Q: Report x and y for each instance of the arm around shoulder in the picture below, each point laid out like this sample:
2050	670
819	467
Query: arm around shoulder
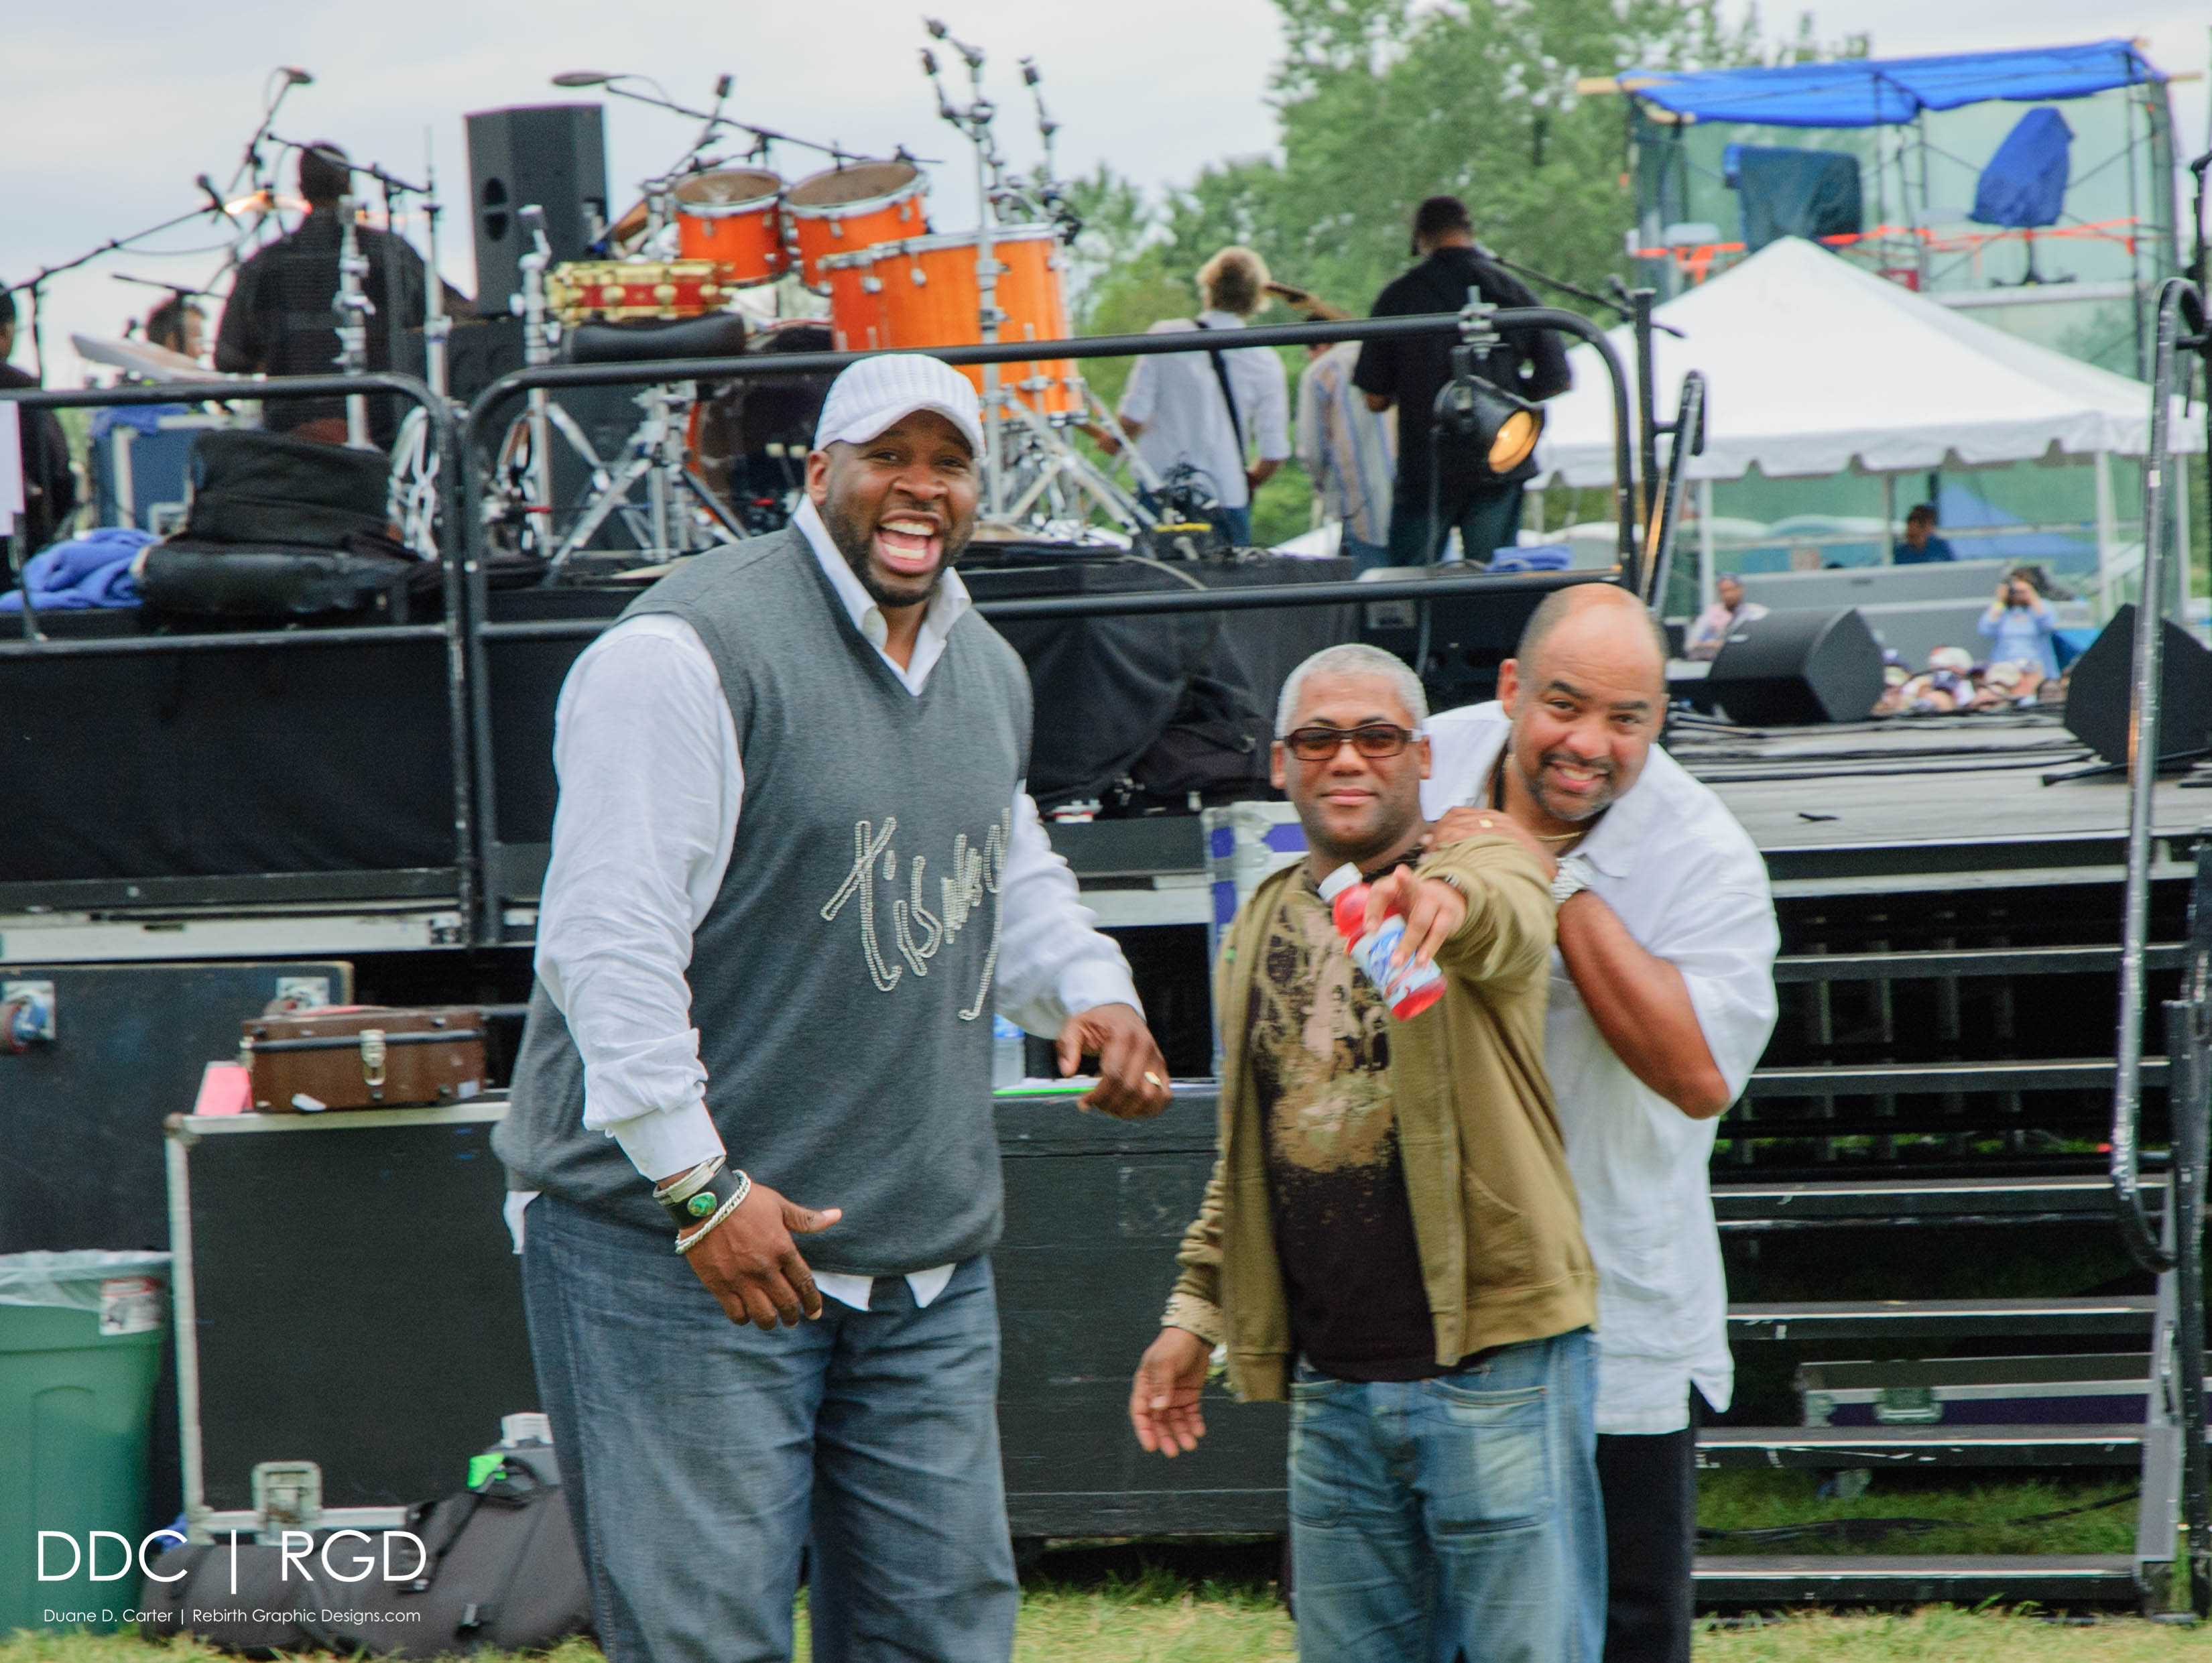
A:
1509	929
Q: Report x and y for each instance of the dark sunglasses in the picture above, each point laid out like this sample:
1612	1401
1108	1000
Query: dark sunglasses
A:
1373	740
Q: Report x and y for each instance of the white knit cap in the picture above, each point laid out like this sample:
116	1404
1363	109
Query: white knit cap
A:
873	394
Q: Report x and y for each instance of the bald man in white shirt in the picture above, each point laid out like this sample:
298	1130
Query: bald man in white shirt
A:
1661	1000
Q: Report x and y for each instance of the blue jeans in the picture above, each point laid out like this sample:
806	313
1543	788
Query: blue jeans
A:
1488	518
1453	1515
700	1455
1369	556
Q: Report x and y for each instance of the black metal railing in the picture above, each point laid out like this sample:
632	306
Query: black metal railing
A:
477	431
453	631
2178	1248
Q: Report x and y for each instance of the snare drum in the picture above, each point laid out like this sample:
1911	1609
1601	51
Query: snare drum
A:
848	208
929	298
733	217
627	291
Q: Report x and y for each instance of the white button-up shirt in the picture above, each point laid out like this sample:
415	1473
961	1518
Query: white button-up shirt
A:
1686	881
651	785
1177	397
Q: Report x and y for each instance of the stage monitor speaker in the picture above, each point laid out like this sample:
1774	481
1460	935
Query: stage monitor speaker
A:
553	155
1795	668
2096	686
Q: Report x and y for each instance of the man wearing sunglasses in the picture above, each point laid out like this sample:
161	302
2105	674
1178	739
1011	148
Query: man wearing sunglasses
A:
1389	1237
1661	999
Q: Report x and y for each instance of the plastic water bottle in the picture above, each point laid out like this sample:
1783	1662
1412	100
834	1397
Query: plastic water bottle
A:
1414	987
1008	1064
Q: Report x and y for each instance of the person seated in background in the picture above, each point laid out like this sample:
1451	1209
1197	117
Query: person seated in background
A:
177	324
2019	625
1920	544
1349	450
1710	629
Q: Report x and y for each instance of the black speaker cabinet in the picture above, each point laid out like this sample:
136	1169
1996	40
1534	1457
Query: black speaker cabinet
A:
552	154
2096	686
1794	668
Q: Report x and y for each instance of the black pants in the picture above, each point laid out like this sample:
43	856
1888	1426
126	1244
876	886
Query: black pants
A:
1487	516
1651	1488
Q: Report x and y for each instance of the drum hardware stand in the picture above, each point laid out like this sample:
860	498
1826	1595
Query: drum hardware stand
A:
658	455
538	348
352	307
974	122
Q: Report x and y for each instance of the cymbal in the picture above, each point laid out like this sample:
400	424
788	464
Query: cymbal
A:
144	360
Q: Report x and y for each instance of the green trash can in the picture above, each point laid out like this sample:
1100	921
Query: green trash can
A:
81	1338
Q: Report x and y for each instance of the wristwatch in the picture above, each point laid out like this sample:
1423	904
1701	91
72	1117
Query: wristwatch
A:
1574	875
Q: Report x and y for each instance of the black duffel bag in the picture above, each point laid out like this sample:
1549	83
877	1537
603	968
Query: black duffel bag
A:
188	577
496	1567
269	488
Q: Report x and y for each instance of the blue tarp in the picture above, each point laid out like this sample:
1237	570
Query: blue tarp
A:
1785	192
1878	92
2025	183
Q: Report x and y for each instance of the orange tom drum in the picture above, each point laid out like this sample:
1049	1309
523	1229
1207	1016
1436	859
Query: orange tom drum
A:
732	216
929	298
852	208
856	301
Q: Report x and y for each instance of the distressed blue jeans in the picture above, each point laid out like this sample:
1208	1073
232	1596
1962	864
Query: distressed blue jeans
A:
1450	1517
700	1455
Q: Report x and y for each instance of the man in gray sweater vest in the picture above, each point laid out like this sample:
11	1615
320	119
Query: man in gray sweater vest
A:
796	871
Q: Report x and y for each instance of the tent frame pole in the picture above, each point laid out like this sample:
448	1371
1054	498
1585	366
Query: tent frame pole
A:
1707	577
2108	535
1889	519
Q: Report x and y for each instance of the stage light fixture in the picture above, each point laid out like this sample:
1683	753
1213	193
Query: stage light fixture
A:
1504	426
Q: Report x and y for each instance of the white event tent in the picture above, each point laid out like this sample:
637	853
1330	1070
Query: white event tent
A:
1813	365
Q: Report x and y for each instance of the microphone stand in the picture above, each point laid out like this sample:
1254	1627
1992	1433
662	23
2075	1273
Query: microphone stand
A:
34	285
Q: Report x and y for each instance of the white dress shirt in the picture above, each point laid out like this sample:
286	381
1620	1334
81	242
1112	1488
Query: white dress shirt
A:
1690	886
651	785
1177	397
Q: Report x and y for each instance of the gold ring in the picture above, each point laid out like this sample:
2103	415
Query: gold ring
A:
1485	825
1151	1078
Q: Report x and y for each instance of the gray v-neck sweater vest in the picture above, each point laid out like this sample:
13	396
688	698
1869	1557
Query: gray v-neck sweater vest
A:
841	981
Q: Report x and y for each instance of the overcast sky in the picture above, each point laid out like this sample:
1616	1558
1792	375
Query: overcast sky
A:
109	109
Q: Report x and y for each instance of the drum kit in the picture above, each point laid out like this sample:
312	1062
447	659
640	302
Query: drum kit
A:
707	239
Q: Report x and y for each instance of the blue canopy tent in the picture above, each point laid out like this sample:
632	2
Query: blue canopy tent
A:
1888	92
1923	154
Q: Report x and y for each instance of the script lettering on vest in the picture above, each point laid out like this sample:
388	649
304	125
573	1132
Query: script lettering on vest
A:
917	933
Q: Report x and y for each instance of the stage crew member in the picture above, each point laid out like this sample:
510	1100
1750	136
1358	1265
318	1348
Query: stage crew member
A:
49	486
1661	999
279	321
1389	1237
1442	480
794	873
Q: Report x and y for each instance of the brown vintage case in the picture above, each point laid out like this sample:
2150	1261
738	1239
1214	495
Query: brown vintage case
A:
363	1056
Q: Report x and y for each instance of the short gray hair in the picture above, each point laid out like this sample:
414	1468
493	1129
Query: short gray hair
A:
1353	658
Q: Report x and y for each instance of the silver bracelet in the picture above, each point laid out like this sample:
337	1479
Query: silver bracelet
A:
685	1243
683	1186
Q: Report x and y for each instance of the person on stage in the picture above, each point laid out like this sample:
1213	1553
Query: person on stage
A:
49	484
795	871
279	320
1390	1238
1223	413
1661	1000
1442	483
1349	450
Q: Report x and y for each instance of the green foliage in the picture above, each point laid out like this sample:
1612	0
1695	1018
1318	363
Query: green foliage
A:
1382	102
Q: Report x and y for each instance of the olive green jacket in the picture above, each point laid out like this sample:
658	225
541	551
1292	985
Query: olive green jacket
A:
1495	1220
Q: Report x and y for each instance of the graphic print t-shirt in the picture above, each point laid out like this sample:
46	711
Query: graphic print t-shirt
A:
1319	1045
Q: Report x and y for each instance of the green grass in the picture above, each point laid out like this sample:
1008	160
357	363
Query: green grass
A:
1976	1515
1163	1619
